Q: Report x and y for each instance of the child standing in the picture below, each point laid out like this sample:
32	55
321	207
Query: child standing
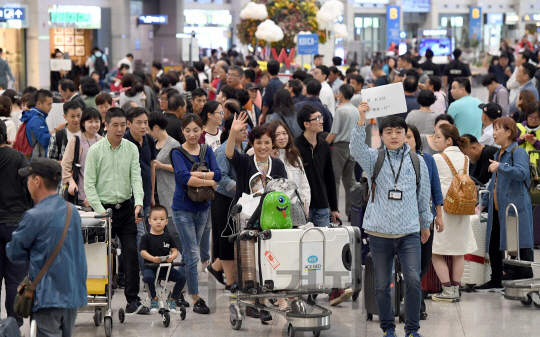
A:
153	245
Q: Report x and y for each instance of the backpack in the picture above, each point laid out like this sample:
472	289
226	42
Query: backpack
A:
289	187
99	66
21	143
363	190
276	211
60	138
533	187
461	196
197	194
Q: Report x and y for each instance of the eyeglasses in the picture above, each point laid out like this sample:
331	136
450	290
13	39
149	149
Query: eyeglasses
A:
318	119
244	130
163	100
222	113
234	75
533	118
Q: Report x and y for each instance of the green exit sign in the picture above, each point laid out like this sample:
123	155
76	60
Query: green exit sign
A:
82	17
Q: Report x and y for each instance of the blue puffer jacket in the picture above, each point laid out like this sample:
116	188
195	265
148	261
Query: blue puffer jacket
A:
64	284
512	181
37	131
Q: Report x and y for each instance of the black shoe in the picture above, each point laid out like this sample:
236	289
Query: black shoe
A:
266	316
356	295
200	307
121	283
228	287
133	306
253	312
181	301
490	287
218	275
423	316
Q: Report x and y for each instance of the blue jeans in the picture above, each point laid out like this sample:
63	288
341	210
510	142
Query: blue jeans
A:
205	241
408	250
320	217
190	227
174	276
55	322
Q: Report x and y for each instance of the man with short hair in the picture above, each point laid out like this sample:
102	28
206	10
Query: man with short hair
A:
326	95
63	289
37	131
234	77
157	69
249	76
453	70
334	81
271	88
357	82
254	65
430	68
497	92
317	60
59	139
434	84
490	112
340	137
404	62
295	88
481	156
379	75
499	67
313	89
68	91
175	114
112	171
524	77
198	100
512	84
410	85
300	75
465	111
128	59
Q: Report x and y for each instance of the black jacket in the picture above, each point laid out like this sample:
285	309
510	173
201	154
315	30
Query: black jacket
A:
14	198
481	172
174	127
319	172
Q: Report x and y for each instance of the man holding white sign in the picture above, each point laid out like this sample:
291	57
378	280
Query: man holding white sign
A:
398	209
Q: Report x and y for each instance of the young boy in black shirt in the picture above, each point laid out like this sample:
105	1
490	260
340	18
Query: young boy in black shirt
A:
153	245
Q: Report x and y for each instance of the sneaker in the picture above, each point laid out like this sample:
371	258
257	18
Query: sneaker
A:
121	283
154	306
134	306
172	305
446	295
413	333
457	293
490	287
205	265
181	301
218	275
340	295
200	307
390	332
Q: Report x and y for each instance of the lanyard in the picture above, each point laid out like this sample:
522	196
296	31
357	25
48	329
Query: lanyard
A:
392	168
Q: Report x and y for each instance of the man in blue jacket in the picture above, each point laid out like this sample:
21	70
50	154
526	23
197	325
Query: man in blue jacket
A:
37	131
397	211
63	288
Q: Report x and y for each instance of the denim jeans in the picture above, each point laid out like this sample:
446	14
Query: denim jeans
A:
205	240
55	322
11	273
408	251
175	276
190	227
320	216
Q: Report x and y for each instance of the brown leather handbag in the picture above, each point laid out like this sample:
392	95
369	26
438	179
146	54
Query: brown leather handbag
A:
461	196
24	300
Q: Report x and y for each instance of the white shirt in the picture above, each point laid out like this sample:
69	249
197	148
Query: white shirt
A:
71	135
202	77
11	131
439	107
126	61
487	137
327	97
159	73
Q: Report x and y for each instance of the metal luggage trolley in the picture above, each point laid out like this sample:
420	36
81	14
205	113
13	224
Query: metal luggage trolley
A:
99	259
526	291
305	314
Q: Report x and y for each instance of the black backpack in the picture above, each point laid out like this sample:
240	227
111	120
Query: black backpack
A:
197	194
99	66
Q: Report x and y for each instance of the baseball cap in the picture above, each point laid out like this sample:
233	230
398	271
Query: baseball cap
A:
44	167
491	109
250	86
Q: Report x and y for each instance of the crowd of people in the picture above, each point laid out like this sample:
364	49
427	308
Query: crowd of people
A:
131	140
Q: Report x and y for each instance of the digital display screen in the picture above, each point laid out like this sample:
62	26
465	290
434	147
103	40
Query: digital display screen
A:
440	47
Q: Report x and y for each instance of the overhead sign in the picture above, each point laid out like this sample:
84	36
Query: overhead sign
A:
511	19
12	14
495	19
393	25
153	19
385	100
475	23
81	17
531	17
434	32
308	44
416	6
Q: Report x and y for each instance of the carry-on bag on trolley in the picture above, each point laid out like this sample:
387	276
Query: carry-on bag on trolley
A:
534	191
397	288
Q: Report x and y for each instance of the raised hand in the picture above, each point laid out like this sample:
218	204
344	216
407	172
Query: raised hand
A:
239	122
362	109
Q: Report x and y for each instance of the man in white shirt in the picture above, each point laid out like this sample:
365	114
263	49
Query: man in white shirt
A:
434	84
490	112
128	59
512	84
157	69
327	95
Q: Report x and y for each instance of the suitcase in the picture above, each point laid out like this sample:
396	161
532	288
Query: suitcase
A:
397	289
9	328
536	225
477	265
357	220
316	258
431	283
245	272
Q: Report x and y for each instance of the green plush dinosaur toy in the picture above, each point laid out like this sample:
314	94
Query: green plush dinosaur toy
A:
276	211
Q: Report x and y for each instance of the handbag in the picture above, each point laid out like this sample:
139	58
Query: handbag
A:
461	196
24	300
203	193
75	170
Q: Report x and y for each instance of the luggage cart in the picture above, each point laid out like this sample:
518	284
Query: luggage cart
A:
526	291
99	259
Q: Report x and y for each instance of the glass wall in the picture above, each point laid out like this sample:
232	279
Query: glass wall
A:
371	31
455	22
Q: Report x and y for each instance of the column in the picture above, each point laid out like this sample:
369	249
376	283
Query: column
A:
120	29
37	45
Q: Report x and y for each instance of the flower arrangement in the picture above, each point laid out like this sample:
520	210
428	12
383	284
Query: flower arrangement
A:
292	16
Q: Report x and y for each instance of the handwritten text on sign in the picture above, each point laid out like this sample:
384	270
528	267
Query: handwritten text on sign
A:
385	100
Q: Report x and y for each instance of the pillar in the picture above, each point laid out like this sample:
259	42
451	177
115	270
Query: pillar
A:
37	45
120	31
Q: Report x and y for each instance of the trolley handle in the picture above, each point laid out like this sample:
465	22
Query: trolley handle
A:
156	265
108	214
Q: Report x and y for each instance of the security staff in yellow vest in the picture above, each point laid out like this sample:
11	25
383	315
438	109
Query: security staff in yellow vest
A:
529	131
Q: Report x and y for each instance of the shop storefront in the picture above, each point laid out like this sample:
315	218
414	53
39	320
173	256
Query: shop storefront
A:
532	23
13	24
211	27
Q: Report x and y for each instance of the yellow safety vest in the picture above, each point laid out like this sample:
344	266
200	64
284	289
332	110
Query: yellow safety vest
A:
528	146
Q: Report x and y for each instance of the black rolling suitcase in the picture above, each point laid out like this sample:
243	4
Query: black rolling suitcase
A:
9	328
398	290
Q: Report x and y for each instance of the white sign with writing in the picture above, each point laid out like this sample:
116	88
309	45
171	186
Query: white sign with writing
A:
60	64
385	100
